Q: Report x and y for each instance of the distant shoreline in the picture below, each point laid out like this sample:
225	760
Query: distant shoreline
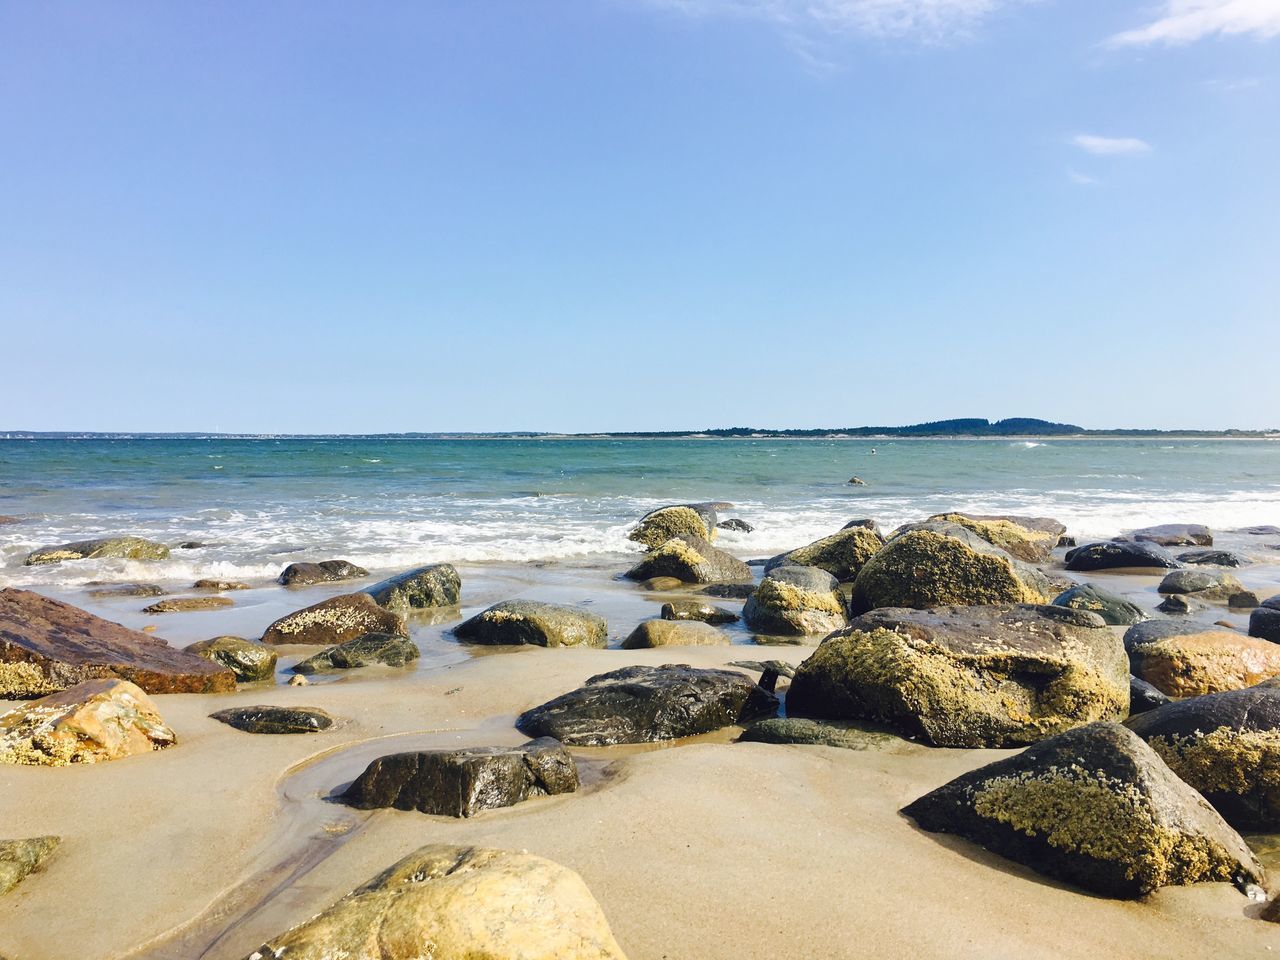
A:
22	436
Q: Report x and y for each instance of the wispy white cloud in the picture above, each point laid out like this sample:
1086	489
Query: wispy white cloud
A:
1110	146
930	21
1186	21
1075	176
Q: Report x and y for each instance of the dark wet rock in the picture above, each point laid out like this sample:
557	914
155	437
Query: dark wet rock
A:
1262	531
389	649
1211	585
1214	558
19	858
1115	610
690	559
795	601
126	548
1175	535
275	720
1188	658
1096	807
46	646
326	571
1227	746
696	610
1150	631
1243	600
1143	696
220	586
770	671
437	585
1264	622
189	604
539	624
1120	554
104	591
842	555
856	482
249	660
736	525
993	676
659	526
865	523
1066	541
729	591
462	782
1031	539
817	733
1179	605
936	563
334	621
191	545
647	704
674	633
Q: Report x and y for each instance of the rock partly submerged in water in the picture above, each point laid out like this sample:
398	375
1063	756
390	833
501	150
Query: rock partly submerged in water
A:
388	649
100	590
691	559
659	526
123	548
1115	610
189	604
1095	807
334	621
457	903
464	781
219	586
20	858
514	622
249	660
736	525
326	571
1189	659
673	633
1120	555
275	720
647	704
1214	586
91	722
1175	535
47	645
423	588
1216	558
697	610
842	554
795	601
993	676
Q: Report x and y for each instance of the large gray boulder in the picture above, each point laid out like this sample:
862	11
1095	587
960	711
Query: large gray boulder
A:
795	601
540	624
423	588
1120	554
1214	586
334	621
691	559
1028	538
1175	535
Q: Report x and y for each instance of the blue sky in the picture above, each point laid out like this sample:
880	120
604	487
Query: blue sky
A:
638	214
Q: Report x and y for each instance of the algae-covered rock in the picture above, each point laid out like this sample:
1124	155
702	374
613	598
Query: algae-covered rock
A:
647	704
124	548
940	564
1115	610
462	782
218	585
539	624
249	660
673	633
189	604
697	610
795	601
691	559
842	554
1096	807
275	720
19	858
101	590
1227	746
91	722
389	649
1014	535
968	676
815	733
1120	554
661	525
446	902
437	585
1191	659
326	571
1211	585
1175	535
334	621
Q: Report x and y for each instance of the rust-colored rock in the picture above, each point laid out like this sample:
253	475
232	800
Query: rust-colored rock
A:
1204	661
334	621
47	646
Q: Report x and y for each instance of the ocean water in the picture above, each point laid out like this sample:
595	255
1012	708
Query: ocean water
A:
387	503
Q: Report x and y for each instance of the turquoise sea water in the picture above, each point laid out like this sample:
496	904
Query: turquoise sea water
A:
387	502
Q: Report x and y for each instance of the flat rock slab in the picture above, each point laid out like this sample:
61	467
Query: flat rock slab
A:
1096	807
275	720
326	571
515	622
127	548
334	621
1120	555
816	733
189	604
424	588
249	660
460	783
104	591
647	704
18	858
47	645
388	649
219	586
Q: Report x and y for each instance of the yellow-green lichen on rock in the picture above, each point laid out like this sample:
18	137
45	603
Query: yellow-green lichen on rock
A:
794	601
1225	760
127	548
691	559
1034	546
842	554
660	526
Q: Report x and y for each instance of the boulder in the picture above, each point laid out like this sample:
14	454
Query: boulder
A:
673	633
540	624
326	571
842	554
462	782
47	645
1175	535
1227	746
389	649
91	722
447	902
1214	558
995	676
647	704
19	858
334	621
219	586
1028	538
815	733
437	585
795	601
866	523
1114	609
1095	807
661	525
1264	622
1210	585
736	525
249	660
1189	659
1143	696
189	604
1180	605
103	591
662	584
940	564
1120	555
1243	600
1265	530
696	610
269	719
691	559
125	548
